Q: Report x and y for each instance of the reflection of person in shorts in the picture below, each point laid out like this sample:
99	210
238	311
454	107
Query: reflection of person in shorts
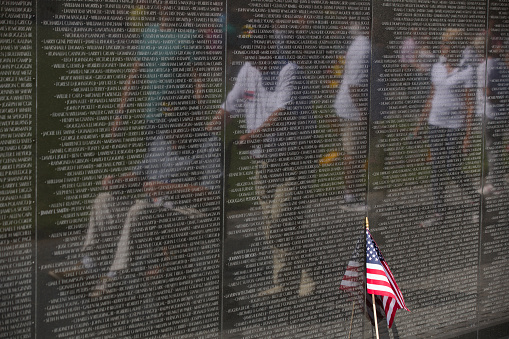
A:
271	95
142	218
449	112
351	107
180	173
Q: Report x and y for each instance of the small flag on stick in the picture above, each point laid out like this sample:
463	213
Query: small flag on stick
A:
354	284
380	280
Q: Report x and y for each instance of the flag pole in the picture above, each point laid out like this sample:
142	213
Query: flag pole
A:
351	320
373	298
374	316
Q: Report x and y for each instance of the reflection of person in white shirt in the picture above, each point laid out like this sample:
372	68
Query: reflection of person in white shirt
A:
271	95
351	108
449	112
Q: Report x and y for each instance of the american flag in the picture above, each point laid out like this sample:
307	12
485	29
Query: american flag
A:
353	284
249	95
380	280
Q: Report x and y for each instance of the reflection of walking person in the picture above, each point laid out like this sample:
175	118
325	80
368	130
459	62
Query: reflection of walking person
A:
179	173
449	112
351	108
272	97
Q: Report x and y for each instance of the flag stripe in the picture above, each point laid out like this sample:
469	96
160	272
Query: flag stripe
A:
380	291
376	282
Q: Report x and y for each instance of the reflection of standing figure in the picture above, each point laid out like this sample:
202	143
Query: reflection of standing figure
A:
449	112
492	84
273	98
351	107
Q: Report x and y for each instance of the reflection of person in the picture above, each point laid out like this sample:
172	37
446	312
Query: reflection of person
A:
492	82
178	174
449	112
408	51
280	126
165	59
351	108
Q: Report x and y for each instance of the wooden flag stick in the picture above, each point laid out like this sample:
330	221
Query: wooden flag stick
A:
374	316
373	298
351	320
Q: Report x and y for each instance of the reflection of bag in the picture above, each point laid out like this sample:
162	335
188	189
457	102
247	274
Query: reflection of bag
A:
269	176
282	207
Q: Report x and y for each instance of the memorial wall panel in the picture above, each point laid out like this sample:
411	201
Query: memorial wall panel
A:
130	185
426	158
206	169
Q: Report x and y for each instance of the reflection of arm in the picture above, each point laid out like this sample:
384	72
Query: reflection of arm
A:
198	80
334	123
425	112
267	127
223	115
494	76
126	182
358	95
469	101
157	189
129	87
217	123
198	87
358	77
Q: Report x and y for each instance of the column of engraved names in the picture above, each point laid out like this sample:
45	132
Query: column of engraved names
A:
16	169
494	222
86	51
208	62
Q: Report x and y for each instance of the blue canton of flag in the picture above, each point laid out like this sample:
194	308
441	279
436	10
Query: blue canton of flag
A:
380	280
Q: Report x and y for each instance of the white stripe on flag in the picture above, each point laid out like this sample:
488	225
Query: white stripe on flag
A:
381	289
377	277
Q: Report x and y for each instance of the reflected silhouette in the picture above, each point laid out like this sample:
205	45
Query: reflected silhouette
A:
449	113
271	93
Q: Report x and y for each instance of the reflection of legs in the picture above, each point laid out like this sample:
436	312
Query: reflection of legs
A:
269	206
354	139
282	219
175	287
454	159
447	162
437	142
121	259
122	253
494	147
106	219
